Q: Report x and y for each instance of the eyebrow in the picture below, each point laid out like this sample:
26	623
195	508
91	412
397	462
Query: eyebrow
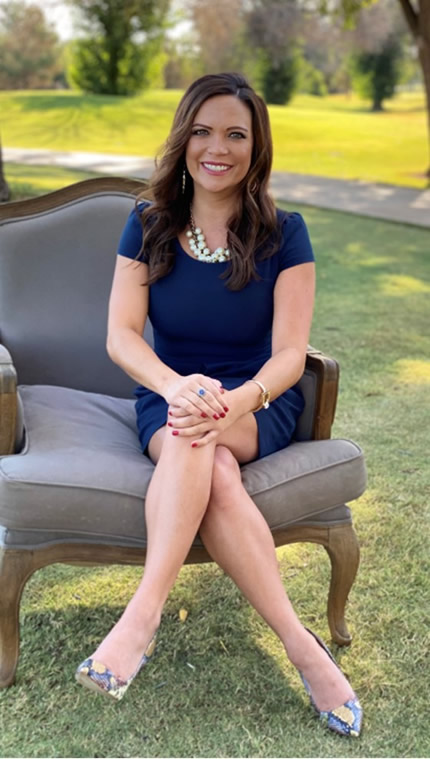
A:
230	127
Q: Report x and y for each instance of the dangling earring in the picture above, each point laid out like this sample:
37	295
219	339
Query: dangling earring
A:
254	187
184	179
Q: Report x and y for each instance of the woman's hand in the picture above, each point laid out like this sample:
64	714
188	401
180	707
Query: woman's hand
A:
204	431
197	397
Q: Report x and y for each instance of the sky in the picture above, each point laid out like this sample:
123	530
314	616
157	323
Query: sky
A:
58	14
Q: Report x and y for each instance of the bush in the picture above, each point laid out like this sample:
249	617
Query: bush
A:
375	75
279	81
311	80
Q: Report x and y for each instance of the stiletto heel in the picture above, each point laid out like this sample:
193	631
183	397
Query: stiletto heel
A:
95	676
346	719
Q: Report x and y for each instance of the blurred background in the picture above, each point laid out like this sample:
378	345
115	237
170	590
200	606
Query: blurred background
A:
344	80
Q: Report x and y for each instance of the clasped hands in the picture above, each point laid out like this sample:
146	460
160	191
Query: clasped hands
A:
199	407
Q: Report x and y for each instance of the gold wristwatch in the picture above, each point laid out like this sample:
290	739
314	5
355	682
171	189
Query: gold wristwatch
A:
265	396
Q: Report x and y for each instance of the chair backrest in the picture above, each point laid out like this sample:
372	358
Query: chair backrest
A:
57	255
56	264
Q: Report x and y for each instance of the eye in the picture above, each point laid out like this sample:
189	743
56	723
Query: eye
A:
199	132
238	134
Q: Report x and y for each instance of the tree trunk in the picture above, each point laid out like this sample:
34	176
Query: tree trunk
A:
424	56
4	187
419	24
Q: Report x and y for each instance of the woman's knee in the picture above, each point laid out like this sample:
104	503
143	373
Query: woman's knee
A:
225	477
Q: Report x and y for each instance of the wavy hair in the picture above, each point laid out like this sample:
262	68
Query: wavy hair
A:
253	225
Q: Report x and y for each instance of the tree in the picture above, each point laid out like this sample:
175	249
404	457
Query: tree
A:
4	187
218	27
121	36
375	75
417	15
326	46
279	79
273	27
29	48
378	41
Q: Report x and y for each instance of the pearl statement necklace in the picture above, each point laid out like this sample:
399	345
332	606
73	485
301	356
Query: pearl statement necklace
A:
198	246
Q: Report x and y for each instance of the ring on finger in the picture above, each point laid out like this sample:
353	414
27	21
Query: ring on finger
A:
202	391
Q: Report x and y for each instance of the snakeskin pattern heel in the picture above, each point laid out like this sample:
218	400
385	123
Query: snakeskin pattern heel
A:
346	719
95	676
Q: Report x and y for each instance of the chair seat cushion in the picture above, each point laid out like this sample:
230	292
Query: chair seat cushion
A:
81	475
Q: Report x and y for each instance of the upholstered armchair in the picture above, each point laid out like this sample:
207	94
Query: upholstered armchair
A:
72	475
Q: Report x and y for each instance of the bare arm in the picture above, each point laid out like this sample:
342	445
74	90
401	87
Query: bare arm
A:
293	307
128	311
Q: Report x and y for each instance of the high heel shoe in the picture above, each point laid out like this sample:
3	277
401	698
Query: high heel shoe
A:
95	676
346	719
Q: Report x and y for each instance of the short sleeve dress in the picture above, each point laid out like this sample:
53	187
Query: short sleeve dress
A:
202	326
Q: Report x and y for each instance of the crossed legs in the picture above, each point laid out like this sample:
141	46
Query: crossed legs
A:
201	489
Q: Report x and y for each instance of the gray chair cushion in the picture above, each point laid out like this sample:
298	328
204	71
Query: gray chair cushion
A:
81	475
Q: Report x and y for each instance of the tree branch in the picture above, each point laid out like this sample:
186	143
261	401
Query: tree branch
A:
411	16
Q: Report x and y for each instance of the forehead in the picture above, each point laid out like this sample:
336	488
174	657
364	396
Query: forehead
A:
224	110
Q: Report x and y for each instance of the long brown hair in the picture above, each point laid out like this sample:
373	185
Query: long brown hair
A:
252	226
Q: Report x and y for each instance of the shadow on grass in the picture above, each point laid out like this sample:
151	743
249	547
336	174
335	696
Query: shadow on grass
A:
209	690
65	101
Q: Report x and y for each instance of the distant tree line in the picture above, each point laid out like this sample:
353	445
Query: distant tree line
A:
283	46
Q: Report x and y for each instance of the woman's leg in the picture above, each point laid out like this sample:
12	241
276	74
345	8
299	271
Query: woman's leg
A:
237	536
177	498
175	503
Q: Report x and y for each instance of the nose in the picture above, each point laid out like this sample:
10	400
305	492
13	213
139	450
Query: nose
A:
217	146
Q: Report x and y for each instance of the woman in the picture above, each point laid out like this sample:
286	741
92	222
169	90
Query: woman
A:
231	309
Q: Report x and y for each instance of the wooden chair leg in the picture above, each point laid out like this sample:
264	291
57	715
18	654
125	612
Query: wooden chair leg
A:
344	552
15	569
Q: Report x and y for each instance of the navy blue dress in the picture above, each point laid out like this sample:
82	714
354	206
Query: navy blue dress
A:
202	326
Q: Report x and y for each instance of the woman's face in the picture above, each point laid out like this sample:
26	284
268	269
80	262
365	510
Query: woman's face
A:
218	153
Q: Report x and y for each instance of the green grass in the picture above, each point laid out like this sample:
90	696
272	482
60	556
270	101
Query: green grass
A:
30	181
241	697
335	136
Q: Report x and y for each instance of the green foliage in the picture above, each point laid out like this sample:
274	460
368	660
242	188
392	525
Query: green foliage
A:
376	74
311	80
29	48
92	70
279	80
121	41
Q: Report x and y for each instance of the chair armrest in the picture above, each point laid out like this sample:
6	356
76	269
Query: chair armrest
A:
326	371
8	403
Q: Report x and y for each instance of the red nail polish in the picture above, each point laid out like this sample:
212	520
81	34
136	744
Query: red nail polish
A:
222	390
216	416
169	424
175	432
170	413
226	409
222	415
193	445
205	416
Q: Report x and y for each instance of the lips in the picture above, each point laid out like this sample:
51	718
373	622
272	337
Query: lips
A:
216	168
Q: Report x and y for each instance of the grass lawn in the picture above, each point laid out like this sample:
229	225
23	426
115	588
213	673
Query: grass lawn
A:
220	684
335	136
30	181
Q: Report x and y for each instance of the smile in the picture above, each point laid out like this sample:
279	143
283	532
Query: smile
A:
216	168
